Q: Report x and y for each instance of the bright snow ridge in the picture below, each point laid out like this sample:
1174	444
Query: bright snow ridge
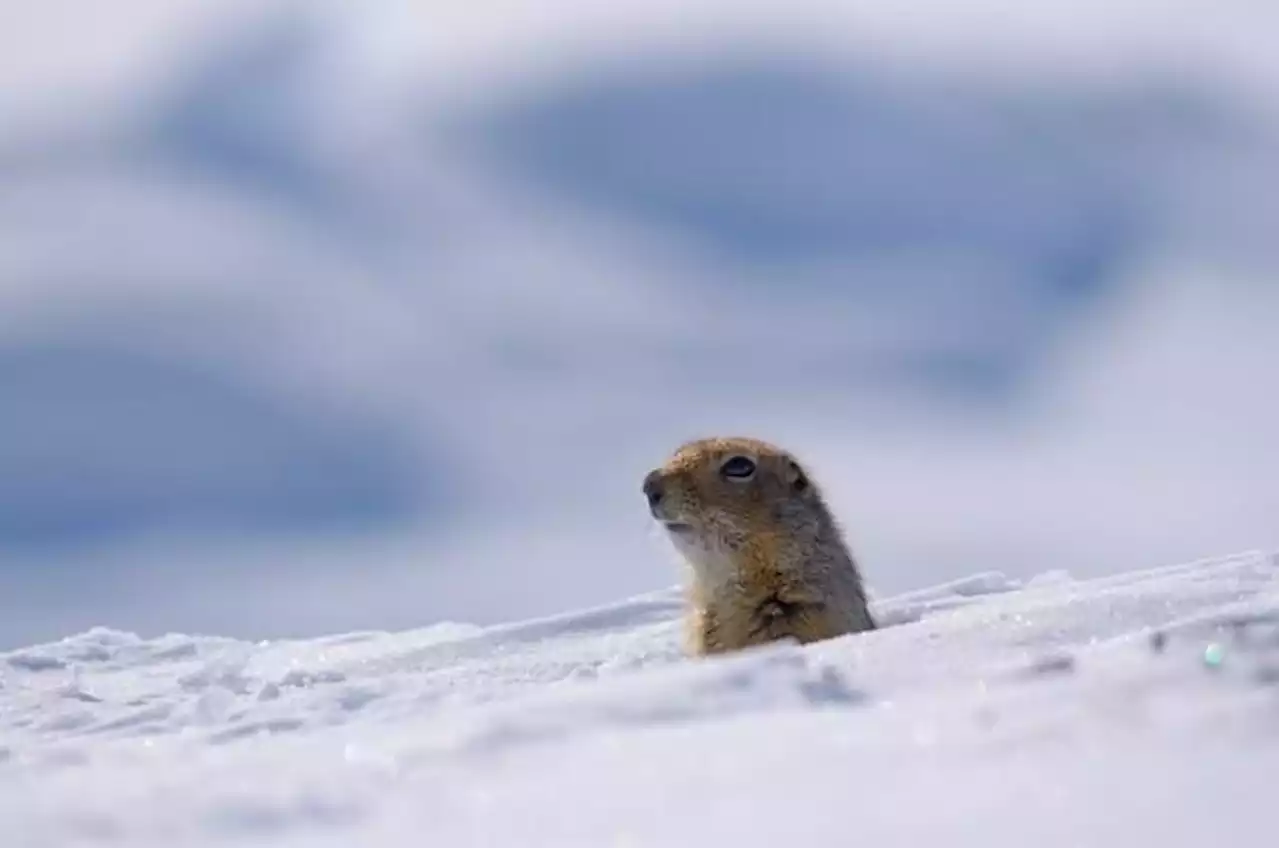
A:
1140	709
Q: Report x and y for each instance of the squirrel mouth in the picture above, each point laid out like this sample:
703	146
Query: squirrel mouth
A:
678	527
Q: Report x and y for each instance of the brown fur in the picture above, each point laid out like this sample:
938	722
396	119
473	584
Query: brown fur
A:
766	559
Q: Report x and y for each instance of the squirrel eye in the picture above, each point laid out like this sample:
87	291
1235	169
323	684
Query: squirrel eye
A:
738	468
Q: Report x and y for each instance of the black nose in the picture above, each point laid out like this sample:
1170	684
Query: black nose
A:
653	488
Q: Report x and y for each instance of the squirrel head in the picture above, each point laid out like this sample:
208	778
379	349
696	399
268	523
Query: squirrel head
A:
716	497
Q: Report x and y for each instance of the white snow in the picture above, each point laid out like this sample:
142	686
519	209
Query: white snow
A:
984	712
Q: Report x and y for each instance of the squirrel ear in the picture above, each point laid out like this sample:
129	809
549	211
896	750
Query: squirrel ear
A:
796	477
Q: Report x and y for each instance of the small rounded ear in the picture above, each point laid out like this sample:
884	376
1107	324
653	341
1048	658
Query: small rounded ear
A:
796	478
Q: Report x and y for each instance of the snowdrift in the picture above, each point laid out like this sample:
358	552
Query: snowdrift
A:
1139	709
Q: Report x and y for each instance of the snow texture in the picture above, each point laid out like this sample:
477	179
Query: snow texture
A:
1139	709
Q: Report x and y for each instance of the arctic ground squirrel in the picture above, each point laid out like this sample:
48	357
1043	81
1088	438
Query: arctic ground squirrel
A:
767	561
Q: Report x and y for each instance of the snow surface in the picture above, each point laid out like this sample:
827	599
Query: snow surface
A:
1138	709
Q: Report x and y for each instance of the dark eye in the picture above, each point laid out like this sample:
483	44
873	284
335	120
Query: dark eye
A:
738	468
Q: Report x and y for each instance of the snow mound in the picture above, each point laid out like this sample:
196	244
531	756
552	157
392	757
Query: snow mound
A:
1136	709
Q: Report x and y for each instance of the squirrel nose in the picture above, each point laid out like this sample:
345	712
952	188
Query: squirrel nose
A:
653	488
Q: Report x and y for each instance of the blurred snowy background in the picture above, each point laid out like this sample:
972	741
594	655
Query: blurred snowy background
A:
323	316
